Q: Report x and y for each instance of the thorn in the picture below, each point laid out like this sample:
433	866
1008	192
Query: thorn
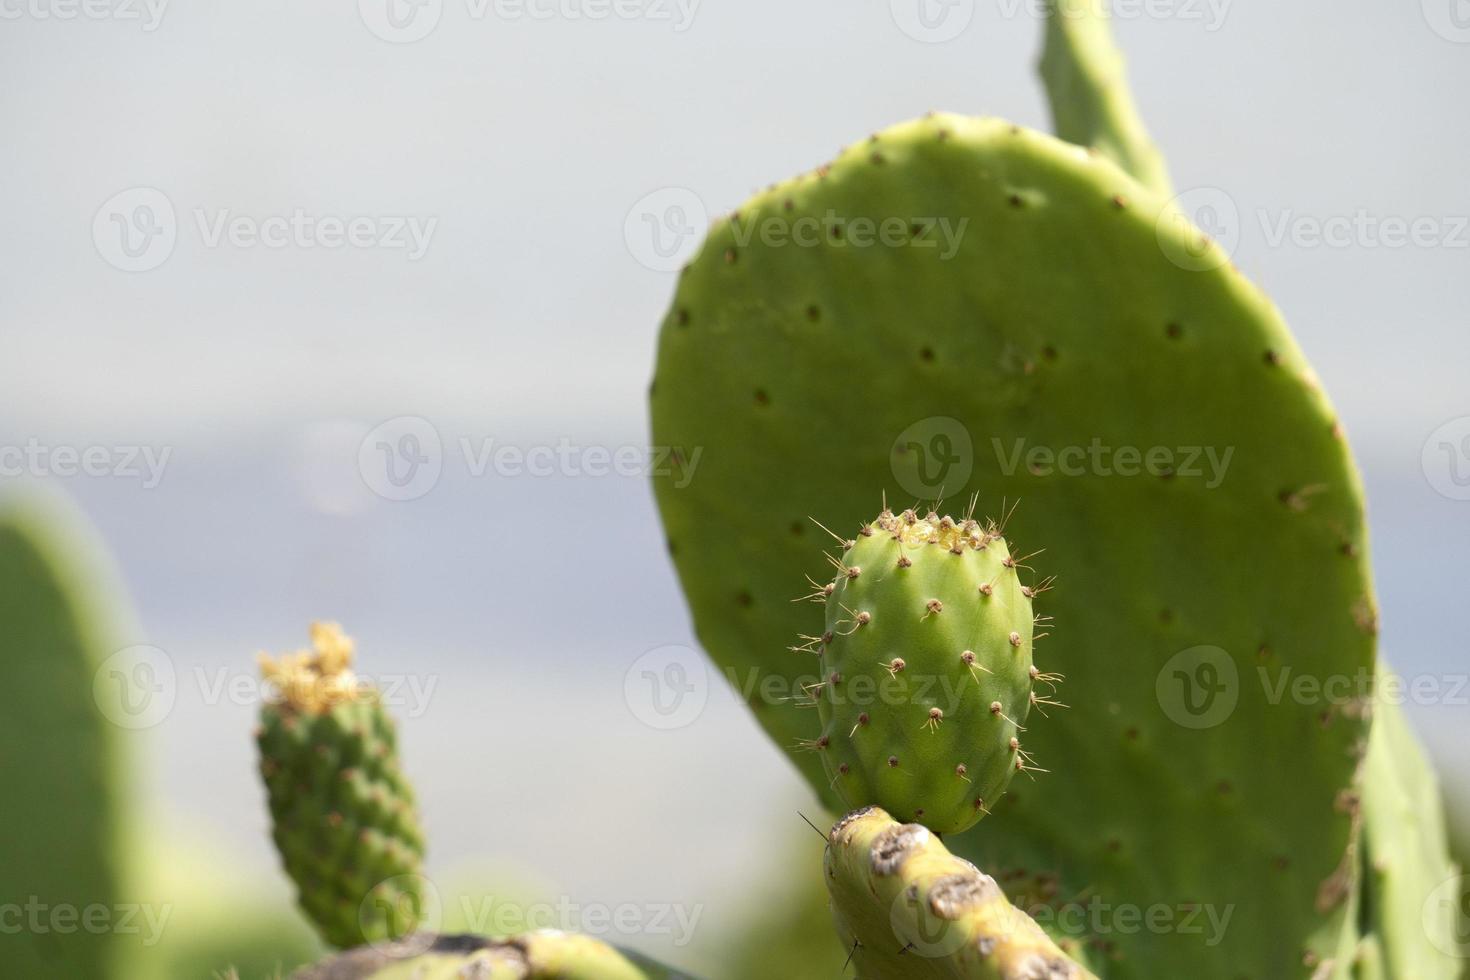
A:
835	536
812	825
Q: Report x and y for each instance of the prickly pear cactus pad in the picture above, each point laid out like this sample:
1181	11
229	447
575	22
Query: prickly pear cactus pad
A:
1038	326
344	818
543	955
1411	888
909	909
928	670
61	822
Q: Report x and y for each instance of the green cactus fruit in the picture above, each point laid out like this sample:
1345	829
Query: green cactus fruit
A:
928	670
61	824
344	818
1082	348
542	955
909	909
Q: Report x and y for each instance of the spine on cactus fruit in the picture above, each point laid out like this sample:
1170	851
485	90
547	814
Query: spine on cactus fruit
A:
344	818
1088	91
907	907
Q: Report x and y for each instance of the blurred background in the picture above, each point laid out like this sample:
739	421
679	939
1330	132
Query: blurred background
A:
293	277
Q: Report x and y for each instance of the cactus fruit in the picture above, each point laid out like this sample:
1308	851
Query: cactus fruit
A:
908	908
62	818
928	670
1079	318
345	824
542	955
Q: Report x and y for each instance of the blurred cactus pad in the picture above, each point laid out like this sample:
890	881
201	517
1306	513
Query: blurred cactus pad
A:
1039	324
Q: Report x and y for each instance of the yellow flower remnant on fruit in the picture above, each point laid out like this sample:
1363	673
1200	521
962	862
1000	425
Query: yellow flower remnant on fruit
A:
314	680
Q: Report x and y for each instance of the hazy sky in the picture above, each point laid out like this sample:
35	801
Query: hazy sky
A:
451	223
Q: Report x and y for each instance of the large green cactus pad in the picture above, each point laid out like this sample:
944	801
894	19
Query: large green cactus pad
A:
61	826
544	955
1082	349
